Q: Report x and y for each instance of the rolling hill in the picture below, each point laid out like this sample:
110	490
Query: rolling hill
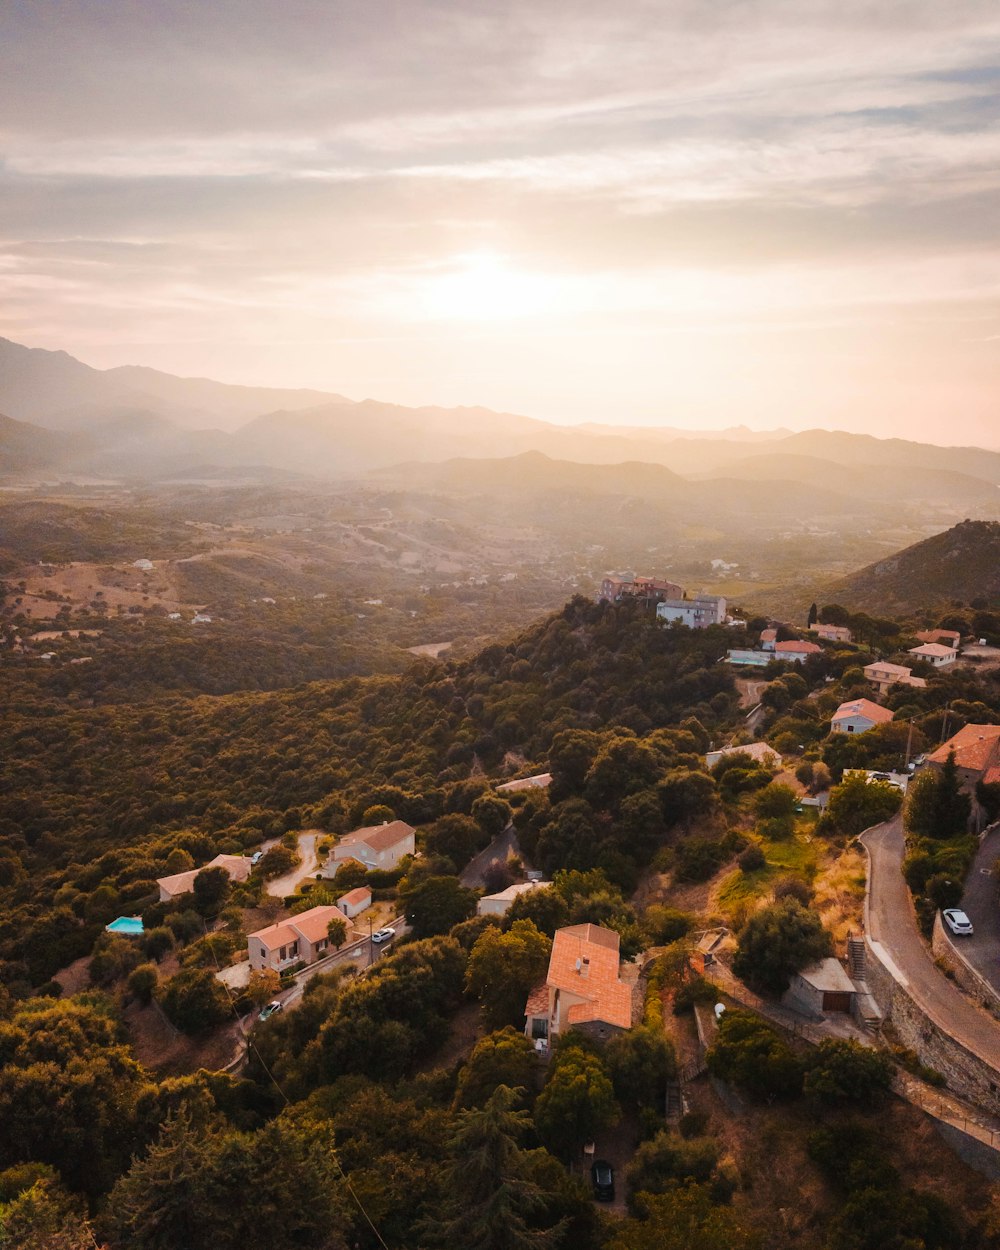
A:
960	565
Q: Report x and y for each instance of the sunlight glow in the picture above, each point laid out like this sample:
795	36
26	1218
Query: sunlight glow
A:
480	287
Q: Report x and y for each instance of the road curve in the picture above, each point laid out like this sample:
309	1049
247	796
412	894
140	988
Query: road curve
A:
892	930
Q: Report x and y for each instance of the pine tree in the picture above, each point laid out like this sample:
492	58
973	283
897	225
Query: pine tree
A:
491	1199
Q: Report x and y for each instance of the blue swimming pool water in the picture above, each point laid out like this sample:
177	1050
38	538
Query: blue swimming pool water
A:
131	926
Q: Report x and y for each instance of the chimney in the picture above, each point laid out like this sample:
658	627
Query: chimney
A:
585	970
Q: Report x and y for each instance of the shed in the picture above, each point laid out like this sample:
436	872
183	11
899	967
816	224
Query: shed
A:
820	988
704	955
355	901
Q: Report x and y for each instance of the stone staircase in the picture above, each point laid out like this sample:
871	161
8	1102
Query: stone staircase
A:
866	1009
856	957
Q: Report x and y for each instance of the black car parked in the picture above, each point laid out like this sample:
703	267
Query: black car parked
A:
602	1174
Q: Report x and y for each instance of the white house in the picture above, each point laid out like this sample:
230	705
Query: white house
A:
497	904
696	613
858	716
832	633
797	652
376	846
935	653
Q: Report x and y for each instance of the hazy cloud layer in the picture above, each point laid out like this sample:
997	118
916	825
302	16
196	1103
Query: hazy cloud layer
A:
774	212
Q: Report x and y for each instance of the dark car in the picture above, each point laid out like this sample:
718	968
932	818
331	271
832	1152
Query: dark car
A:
602	1175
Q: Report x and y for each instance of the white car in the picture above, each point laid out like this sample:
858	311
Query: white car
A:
957	921
383	935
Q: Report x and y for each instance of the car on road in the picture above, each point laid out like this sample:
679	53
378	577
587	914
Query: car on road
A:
957	921
383	935
602	1177
267	1012
255	858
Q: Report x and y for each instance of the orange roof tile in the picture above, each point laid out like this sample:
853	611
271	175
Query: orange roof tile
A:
538	1001
863	707
976	747
312	924
584	962
361	894
805	648
379	837
275	935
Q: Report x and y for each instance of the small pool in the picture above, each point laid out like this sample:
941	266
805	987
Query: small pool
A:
131	926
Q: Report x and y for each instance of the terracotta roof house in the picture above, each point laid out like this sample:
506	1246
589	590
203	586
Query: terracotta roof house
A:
582	989
858	716
832	633
795	651
883	675
947	637
300	939
497	904
934	653
977	754
238	867
376	846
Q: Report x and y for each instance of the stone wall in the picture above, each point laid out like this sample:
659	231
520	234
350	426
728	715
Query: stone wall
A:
967	1075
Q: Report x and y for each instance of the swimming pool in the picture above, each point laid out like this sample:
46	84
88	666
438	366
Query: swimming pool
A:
131	926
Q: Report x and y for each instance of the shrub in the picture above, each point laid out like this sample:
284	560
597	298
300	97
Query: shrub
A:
752	859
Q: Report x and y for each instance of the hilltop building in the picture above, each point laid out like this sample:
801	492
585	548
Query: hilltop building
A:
696	613
615	588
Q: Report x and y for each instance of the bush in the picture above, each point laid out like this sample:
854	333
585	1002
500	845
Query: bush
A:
776	942
194	1001
142	983
752	859
697	990
667	1161
752	1055
839	1072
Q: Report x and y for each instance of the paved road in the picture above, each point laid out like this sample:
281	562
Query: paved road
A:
892	926
361	954
282	887
980	902
498	852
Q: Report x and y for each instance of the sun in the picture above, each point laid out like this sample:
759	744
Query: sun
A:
479	286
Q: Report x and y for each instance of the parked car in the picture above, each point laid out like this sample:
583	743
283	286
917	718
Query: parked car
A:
255	858
602	1176
267	1012
383	935
957	921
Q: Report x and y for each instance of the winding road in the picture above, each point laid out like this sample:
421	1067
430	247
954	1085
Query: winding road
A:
893	933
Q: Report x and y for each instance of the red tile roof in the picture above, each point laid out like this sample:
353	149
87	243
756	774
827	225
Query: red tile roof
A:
361	894
863	707
584	963
976	747
379	837
805	648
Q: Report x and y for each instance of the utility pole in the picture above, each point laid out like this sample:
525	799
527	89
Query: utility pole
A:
371	945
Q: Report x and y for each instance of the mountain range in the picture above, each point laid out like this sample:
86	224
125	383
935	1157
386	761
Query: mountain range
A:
64	417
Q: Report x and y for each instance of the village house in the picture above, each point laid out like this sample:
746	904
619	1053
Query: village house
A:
237	866
768	639
882	674
697	613
615	588
759	751
300	939
832	633
539	782
376	846
977	755
796	651
934	653
497	904
583	988
858	716
822	987
355	901
946	637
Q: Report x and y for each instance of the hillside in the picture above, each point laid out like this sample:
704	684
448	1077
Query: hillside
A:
960	565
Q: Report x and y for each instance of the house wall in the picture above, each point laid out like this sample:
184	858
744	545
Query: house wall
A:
261	957
492	906
351	910
803	997
852	725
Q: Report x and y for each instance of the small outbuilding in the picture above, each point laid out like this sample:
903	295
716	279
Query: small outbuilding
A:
355	901
820	988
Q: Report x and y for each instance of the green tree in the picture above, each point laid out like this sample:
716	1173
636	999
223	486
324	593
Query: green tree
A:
778	941
640	1062
492	814
545	908
776	802
211	889
577	1103
336	931
842	1071
505	1057
857	804
752	1055
142	983
813	616
433	905
504	967
687	1219
45	1217
262	987
936	805
194	1001
490	1200
666	1161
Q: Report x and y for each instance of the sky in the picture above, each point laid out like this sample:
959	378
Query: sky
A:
696	214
